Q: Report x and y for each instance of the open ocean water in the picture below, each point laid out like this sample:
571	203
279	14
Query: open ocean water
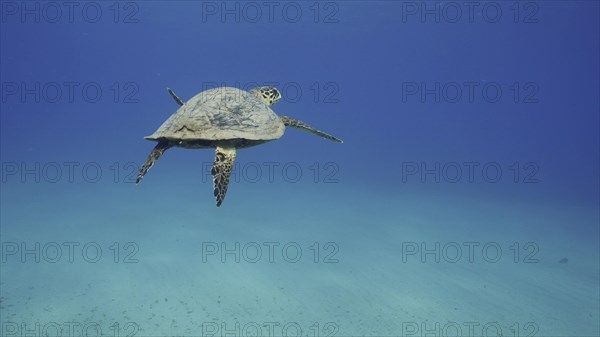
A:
464	200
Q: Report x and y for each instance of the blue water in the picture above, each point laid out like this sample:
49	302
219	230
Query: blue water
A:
463	201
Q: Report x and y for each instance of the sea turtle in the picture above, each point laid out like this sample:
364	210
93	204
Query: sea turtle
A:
227	119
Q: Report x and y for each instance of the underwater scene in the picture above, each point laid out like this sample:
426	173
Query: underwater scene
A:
304	168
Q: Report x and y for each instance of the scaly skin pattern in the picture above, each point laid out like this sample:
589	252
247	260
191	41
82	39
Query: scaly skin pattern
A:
158	151
288	121
248	122
222	166
269	95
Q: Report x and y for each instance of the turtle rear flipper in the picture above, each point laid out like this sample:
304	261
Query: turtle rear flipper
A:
158	151
221	170
288	121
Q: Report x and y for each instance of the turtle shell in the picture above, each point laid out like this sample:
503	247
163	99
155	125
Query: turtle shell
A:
221	114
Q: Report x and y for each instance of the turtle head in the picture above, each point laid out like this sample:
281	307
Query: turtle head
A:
269	95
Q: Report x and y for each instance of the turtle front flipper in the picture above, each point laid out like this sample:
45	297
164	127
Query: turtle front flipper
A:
175	97
158	151
288	121
224	158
